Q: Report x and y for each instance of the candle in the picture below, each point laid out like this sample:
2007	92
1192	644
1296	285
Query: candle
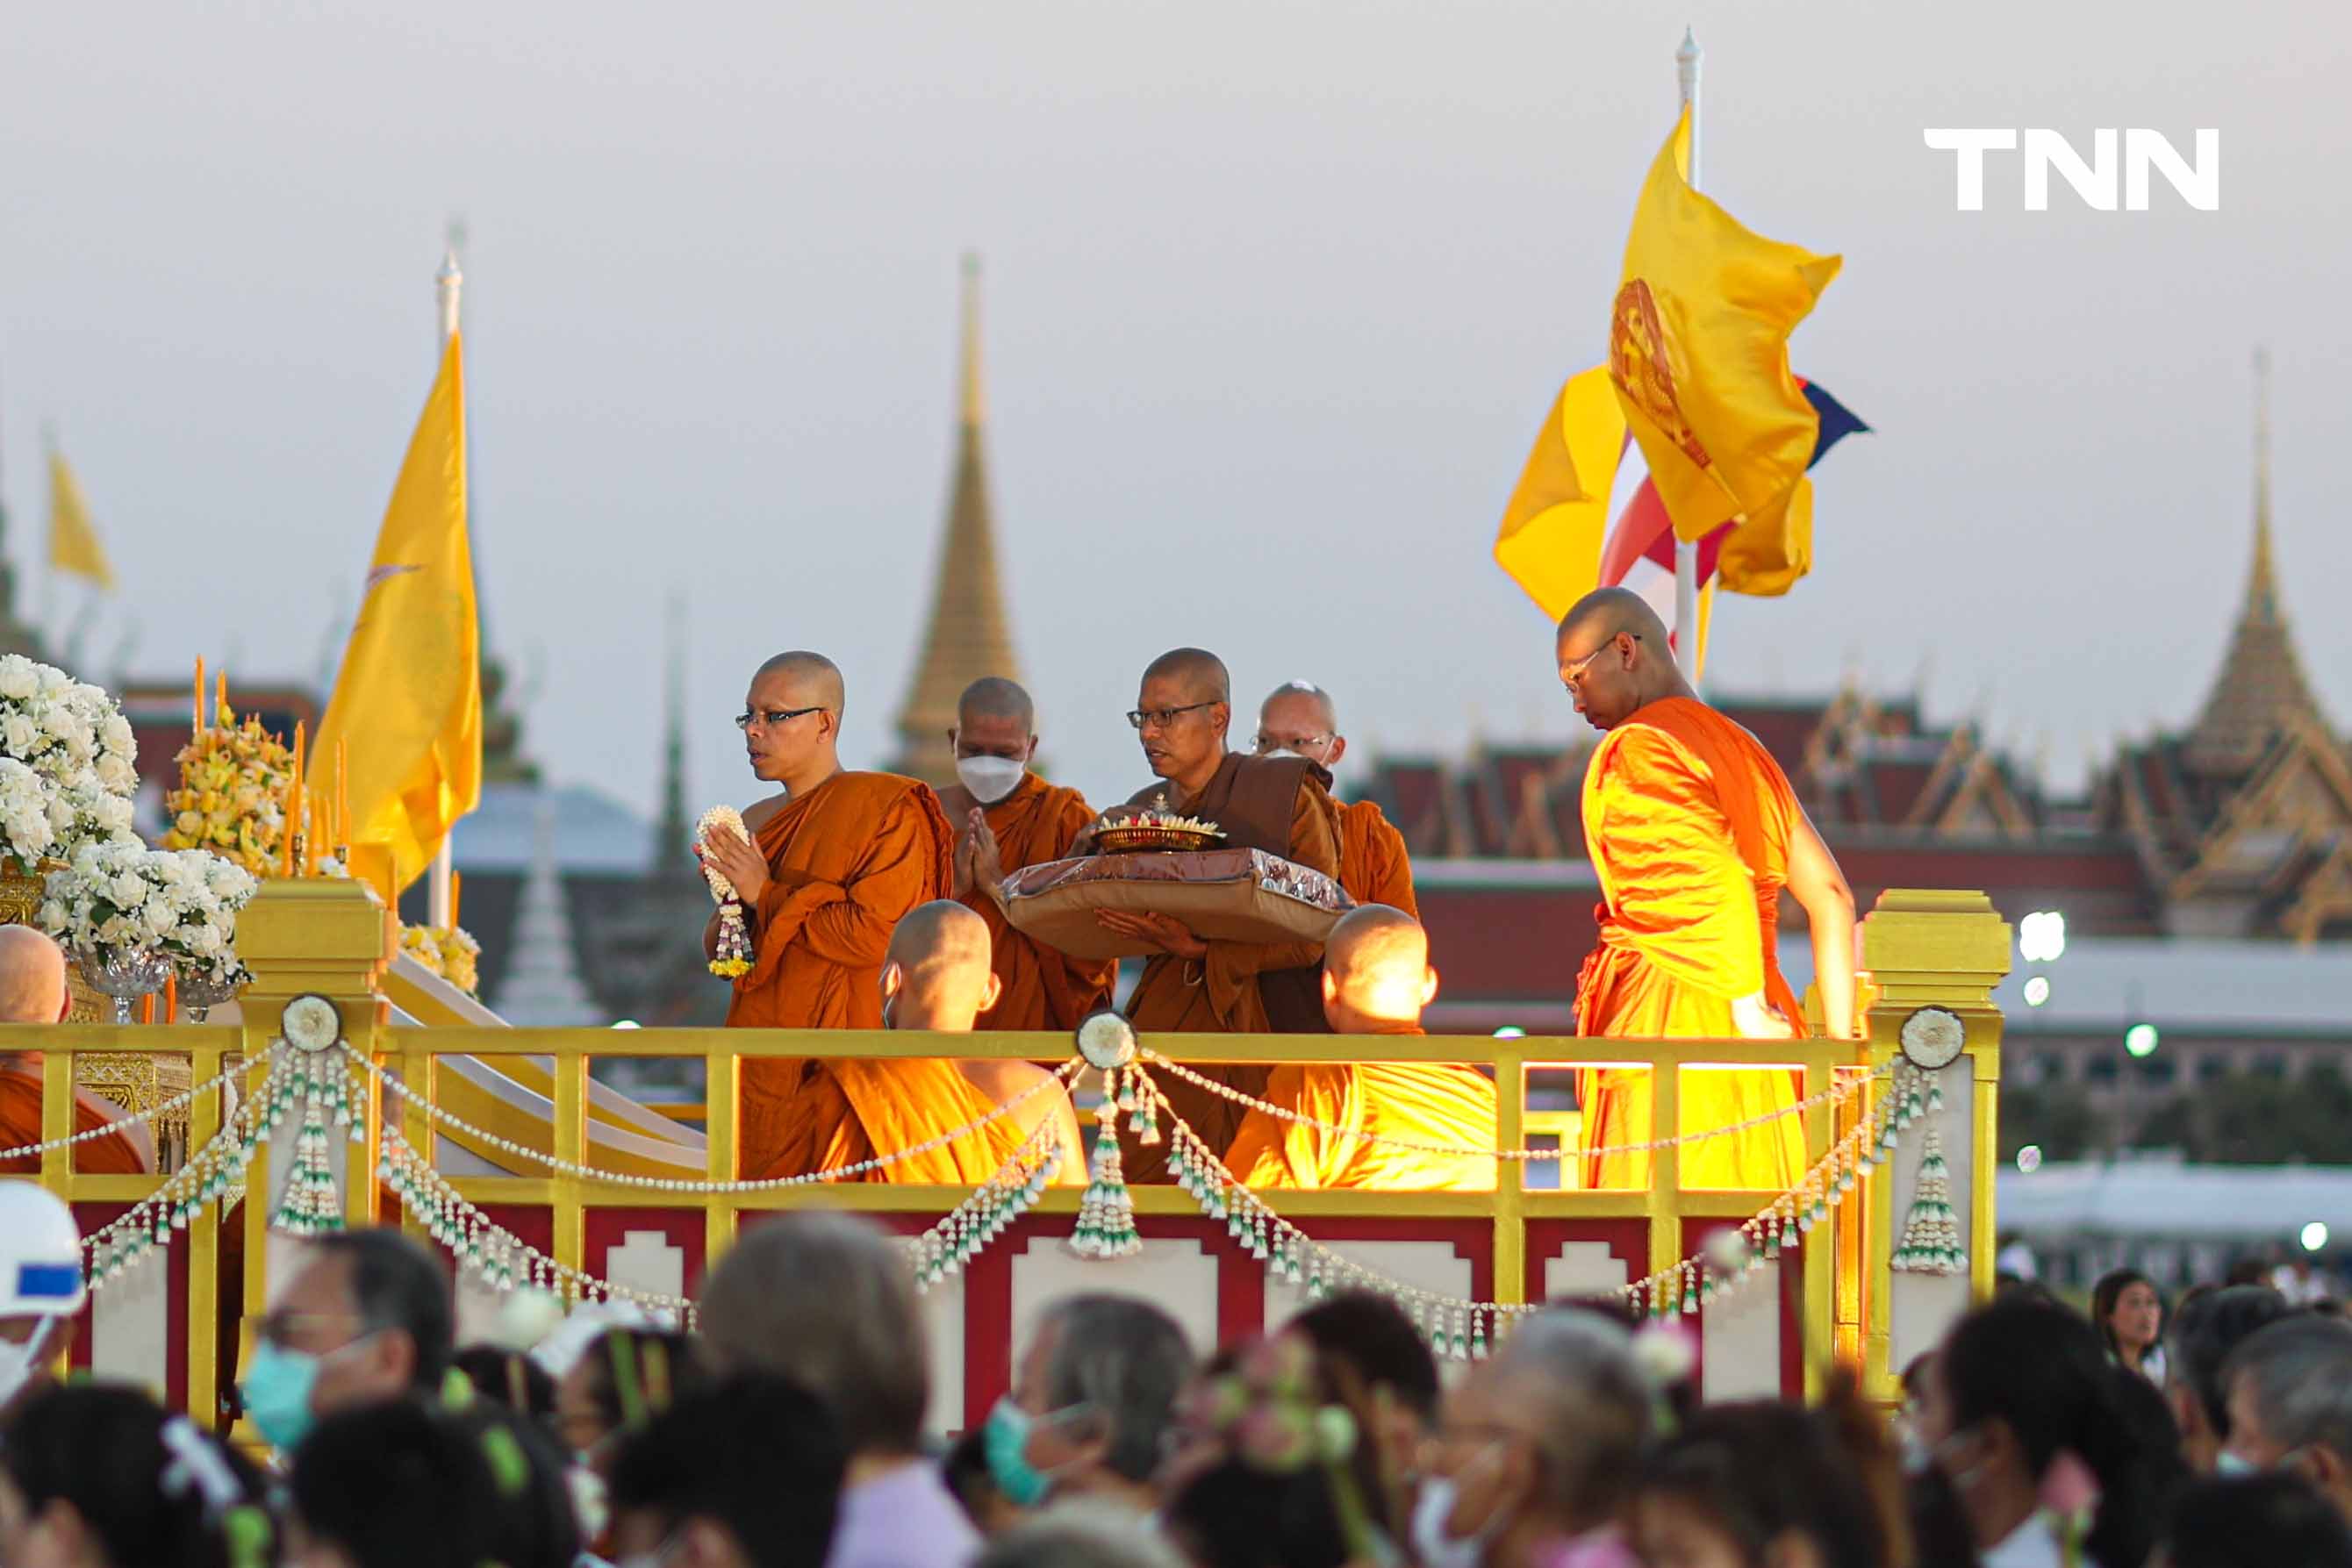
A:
200	697
220	703
171	998
147	1007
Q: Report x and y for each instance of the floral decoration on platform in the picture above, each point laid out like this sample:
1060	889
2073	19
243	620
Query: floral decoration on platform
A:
449	951
232	793
65	764
122	897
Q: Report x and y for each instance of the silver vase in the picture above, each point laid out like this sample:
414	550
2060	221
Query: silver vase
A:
201	991
124	974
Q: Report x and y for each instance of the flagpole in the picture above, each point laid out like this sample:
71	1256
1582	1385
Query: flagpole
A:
447	285
1686	59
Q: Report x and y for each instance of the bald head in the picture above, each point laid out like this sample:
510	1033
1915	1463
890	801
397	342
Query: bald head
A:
32	977
1615	656
1375	972
1303	697
994	697
936	975
813	679
1198	673
1605	611
1298	718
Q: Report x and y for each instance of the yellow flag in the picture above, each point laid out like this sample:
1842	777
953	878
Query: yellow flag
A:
1698	351
1552	532
407	707
73	541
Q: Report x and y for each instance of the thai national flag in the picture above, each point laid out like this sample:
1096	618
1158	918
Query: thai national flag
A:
1639	552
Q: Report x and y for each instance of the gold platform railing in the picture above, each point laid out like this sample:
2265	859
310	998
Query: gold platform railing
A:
1941	951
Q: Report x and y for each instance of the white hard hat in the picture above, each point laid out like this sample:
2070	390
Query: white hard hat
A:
40	1254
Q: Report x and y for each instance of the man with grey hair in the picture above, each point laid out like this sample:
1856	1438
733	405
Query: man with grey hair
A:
828	1300
2291	1402
1090	1401
1087	1533
1537	1445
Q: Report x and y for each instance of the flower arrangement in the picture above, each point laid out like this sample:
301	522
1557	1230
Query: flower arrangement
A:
65	764
1157	821
733	955
119	895
232	794
449	951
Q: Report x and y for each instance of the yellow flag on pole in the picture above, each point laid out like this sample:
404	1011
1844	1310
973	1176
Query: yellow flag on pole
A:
1698	352
1552	530
407	705
73	540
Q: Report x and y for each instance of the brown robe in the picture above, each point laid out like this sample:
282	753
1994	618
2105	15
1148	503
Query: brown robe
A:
1044	987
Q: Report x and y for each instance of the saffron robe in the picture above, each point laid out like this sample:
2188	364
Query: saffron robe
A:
846	862
1044	987
1373	865
1427	1101
1688	820
1279	805
127	1152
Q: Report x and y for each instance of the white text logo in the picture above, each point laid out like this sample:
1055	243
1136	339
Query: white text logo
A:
2197	181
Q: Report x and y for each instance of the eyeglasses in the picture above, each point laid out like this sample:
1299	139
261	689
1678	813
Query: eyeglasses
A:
1160	718
1273	742
1572	675
768	719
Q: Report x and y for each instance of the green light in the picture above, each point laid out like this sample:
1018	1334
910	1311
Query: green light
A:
2140	1039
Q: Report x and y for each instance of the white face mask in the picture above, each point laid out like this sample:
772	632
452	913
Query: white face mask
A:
18	1363
990	779
588	1503
1431	1546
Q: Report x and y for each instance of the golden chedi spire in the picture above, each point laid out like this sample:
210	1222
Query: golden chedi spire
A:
967	635
2260	688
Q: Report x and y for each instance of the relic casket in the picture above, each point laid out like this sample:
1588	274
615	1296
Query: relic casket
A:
1223	894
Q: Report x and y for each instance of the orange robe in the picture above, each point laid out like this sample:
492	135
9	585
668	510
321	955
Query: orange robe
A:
1373	865
1044	987
1427	1101
1220	993
116	1154
1688	819
846	862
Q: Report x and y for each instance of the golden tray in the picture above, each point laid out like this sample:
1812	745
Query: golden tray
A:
1135	840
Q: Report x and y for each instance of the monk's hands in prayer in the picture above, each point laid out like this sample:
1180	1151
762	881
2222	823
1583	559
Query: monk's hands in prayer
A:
1164	932
742	864
980	860
1757	1019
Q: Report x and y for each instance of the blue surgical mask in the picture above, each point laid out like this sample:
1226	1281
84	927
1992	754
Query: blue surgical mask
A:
2229	1462
277	1391
1004	1439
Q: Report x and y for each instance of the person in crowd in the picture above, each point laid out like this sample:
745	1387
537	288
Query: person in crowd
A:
1082	1533
2129	1316
1371	1335
2248	1272
2204	1331
367	1317
41	1289
1090	1403
405	1484
2242	1519
1292	1480
1759	1485
97	1475
508	1378
965	1468
744	1473
828	1302
625	1377
2301	1285
2014	1257
2030	1423
2290	1400
1538	1447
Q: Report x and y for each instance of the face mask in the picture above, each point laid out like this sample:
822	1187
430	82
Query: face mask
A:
990	779
1005	1438
18	1363
1431	1546
2230	1462
277	1391
588	1503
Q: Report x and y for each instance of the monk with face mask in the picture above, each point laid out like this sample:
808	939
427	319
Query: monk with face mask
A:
1299	720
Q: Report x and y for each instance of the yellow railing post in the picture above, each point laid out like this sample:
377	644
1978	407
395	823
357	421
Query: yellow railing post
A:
1510	1250
1946	950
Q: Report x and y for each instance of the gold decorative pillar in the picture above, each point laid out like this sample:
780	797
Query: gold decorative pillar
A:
1931	956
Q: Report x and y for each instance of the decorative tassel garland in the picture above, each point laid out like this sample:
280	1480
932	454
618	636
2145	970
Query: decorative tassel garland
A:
1106	1226
1931	1231
322	1089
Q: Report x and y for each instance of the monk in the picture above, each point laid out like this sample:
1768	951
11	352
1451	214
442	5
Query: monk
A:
1281	805
1376	980
33	990
1299	720
938	976
834	862
1013	819
1694	830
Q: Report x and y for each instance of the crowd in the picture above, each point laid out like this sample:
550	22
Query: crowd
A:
788	1432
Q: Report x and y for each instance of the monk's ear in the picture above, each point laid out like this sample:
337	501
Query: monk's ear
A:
990	992
894	979
1331	987
1339	750
1030	755
1222	716
952	739
1429	986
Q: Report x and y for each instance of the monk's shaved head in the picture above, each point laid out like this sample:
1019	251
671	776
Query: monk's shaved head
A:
32	977
994	697
1303	693
1615	656
816	678
1200	673
938	959
1376	970
1605	611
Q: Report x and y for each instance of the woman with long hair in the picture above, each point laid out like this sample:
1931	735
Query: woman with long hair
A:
2129	1315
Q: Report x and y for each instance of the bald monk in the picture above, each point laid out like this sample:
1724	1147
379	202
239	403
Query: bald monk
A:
1012	818
33	990
1299	720
938	976
1182	711
1376	980
834	862
1694	830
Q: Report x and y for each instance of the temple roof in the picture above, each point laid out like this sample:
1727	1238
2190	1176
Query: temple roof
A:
969	635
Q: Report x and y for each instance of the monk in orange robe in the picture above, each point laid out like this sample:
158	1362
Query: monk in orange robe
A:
1694	830
1301	720
1190	985
1013	819
1376	980
33	990
834	862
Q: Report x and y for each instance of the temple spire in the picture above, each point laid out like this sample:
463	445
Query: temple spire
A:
670	831
2260	688
968	634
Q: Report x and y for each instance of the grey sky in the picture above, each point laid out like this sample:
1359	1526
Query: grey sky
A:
1277	293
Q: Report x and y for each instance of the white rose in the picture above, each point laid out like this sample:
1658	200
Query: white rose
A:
52	680
58	720
52	917
127	890
61	813
118	737
17	732
116	775
161	917
18	681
